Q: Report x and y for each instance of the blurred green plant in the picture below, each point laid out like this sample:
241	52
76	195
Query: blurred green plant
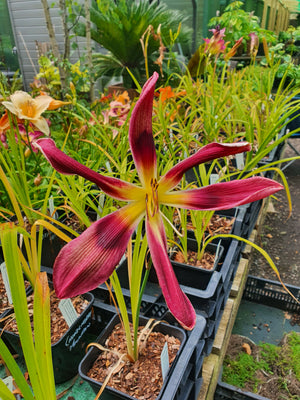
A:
48	78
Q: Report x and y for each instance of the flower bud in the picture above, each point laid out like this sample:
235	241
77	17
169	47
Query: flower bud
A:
37	180
73	90
27	152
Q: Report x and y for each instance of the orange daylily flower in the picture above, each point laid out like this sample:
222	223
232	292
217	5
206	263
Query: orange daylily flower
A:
4	122
55	104
123	98
167	93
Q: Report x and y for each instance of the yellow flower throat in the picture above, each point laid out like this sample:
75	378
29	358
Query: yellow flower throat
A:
152	204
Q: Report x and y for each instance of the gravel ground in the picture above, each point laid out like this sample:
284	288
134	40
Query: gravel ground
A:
280	234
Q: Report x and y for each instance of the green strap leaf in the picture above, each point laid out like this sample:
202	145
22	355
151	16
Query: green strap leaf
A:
14	369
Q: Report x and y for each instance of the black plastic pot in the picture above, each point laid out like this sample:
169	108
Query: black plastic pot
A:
88	360
237	214
294	122
275	153
69	350
210	301
251	214
229	392
203	288
180	268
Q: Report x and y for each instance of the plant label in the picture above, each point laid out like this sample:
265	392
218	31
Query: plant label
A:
164	360
51	207
68	311
101	205
240	161
213	178
6	282
107	164
8	382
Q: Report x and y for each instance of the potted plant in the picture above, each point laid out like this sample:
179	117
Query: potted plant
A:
69	333
120	27
239	23
91	259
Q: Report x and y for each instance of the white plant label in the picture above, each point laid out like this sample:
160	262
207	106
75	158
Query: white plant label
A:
164	360
240	161
68	311
101	204
108	167
51	207
213	178
6	282
8	382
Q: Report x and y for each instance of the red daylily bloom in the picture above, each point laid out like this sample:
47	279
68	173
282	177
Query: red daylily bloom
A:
89	260
216	44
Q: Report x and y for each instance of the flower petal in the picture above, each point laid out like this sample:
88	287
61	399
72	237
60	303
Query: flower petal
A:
19	98
42	103
178	303
140	133
10	107
53	103
26	107
42	125
66	165
207	153
4	122
89	260
223	195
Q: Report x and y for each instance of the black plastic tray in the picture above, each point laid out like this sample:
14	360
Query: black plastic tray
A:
271	293
229	392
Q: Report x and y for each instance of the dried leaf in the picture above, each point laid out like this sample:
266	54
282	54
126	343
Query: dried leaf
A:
246	347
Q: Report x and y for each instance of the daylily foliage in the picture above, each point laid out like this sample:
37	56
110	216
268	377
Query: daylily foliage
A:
90	259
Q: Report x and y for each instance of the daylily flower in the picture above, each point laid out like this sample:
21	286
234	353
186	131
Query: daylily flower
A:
118	112
55	104
90	259
32	134
4	122
231	52
123	98
216	44
27	108
166	93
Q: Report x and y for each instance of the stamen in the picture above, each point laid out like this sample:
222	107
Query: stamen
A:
152	205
